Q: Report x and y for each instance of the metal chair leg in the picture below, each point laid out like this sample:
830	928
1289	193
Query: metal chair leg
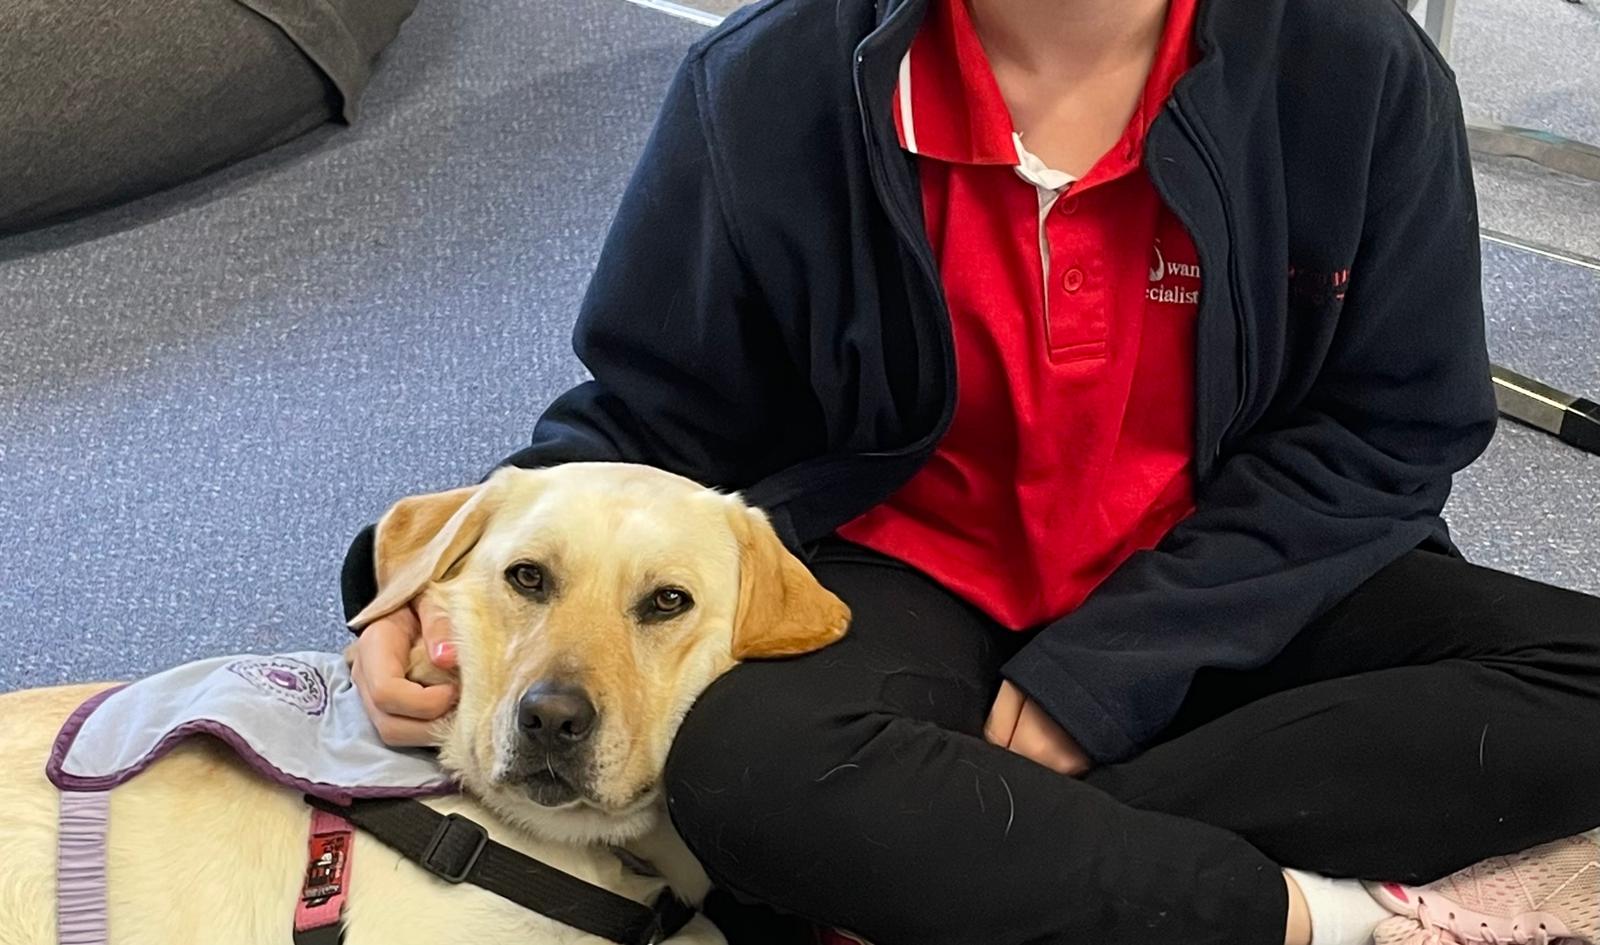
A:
1541	147
1575	420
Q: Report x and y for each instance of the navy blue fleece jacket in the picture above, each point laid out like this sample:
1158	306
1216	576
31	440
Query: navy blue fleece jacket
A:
766	316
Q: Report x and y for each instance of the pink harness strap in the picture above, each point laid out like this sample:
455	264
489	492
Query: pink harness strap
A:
81	908
327	882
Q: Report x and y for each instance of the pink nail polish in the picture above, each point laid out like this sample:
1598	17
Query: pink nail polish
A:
442	650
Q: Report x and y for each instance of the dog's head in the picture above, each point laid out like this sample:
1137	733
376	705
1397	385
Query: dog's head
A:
591	604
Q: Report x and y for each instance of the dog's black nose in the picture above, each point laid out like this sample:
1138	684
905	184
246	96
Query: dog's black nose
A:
554	716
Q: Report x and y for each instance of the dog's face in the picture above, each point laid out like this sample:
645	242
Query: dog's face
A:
591	605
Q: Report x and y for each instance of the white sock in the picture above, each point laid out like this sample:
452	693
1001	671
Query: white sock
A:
1342	911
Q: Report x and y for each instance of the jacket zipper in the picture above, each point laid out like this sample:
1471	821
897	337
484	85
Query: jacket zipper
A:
915	238
826	470
1241	334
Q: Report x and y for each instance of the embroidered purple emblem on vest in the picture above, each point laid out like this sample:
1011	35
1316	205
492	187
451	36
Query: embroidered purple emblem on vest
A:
287	680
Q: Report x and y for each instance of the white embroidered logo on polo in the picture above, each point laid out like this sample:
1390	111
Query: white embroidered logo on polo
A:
1163	271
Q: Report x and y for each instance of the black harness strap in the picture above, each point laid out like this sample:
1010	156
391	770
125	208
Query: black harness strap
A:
458	850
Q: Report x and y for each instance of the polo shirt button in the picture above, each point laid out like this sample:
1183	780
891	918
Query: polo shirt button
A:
1069	205
1073	280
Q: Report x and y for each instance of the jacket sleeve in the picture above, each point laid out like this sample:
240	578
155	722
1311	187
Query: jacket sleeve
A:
689	371
1340	485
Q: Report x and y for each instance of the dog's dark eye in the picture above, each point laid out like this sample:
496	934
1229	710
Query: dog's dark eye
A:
670	601
526	577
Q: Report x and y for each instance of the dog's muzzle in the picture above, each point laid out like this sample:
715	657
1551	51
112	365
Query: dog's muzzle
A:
555	721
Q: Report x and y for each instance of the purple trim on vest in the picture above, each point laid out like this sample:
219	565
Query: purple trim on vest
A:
81	910
69	734
71	782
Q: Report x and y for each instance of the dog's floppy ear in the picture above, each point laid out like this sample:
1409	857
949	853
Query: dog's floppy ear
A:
420	539
783	610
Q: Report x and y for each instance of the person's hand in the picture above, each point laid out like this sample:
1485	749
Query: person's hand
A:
402	710
1016	723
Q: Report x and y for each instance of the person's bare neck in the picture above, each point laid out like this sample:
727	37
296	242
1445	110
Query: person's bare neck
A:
1068	39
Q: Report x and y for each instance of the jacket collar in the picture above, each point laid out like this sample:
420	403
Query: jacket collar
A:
949	107
1232	39
1236	43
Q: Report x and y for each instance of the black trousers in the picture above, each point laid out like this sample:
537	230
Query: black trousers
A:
1443	713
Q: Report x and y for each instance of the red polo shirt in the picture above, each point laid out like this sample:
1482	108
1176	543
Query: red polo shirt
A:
1072	304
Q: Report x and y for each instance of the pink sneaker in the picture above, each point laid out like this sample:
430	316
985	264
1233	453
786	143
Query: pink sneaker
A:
1550	893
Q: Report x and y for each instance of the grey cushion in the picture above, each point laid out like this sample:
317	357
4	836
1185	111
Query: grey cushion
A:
343	37
106	101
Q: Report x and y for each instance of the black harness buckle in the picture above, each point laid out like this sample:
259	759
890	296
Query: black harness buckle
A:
454	850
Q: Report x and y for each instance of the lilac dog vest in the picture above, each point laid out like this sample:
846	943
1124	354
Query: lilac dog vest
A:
296	719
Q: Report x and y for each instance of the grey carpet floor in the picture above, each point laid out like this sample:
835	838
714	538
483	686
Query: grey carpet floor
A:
1534	64
204	394
1531	63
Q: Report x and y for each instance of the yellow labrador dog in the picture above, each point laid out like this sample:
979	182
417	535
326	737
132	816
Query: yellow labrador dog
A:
591	603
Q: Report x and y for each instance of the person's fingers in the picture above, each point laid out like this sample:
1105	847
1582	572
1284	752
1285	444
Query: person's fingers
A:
402	711
397	695
1002	721
384	648
436	634
395	731
1030	741
381	664
402	623
391	632
1039	738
